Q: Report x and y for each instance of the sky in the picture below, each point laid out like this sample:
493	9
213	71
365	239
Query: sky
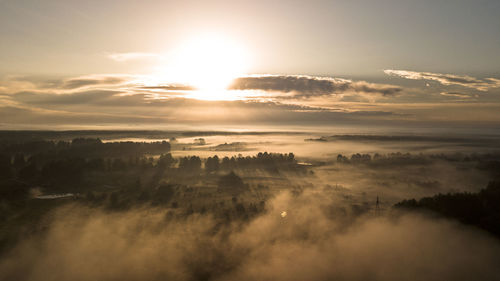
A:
287	64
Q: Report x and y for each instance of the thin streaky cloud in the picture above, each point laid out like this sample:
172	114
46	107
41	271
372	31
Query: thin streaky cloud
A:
457	95
84	81
448	79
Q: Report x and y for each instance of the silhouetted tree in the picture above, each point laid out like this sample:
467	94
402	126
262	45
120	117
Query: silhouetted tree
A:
19	161
342	159
481	209
165	161
163	194
191	165
29	173
212	164
5	167
231	183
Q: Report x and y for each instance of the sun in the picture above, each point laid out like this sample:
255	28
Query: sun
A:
209	63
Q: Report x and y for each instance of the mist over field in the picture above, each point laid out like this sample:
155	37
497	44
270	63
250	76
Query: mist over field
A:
314	241
132	208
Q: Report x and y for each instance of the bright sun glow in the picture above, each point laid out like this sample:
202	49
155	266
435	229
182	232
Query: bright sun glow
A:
207	62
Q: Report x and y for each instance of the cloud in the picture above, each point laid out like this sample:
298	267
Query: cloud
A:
457	95
171	87
448	79
84	81
121	57
309	86
107	107
26	117
302	84
85	97
373	88
13	84
265	100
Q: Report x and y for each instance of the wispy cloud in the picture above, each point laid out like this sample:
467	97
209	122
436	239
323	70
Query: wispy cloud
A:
448	79
170	87
278	99
51	85
84	81
457	95
82	100
132	56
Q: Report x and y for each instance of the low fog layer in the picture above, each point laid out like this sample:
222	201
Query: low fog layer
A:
318	239
156	210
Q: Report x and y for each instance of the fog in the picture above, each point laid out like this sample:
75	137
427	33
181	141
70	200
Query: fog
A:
319	239
323	146
164	208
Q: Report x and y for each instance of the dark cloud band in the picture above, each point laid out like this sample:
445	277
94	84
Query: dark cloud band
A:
306	86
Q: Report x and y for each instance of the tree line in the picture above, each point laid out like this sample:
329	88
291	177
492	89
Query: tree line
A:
481	209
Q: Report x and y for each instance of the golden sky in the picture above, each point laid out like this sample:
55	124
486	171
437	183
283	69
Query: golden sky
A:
66	64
